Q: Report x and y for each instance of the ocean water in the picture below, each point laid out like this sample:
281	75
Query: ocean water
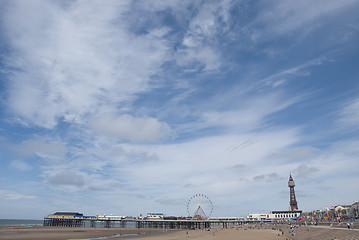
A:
20	222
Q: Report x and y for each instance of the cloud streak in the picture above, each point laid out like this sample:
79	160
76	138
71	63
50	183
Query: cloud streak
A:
130	128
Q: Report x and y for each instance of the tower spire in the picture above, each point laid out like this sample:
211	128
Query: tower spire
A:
293	201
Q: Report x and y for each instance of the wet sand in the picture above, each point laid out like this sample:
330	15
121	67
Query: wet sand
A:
64	233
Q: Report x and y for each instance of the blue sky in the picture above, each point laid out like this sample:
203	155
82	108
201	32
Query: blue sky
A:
127	107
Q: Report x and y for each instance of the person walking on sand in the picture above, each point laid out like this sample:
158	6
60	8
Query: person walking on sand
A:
348	225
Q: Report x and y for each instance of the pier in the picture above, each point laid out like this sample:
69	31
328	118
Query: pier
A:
111	223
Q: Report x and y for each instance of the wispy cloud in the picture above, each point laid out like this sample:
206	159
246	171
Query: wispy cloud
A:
304	171
278	79
130	128
199	45
14	195
40	148
349	115
286	17
20	165
72	64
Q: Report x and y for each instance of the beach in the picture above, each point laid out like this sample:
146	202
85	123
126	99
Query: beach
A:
40	233
320	232
246	232
64	233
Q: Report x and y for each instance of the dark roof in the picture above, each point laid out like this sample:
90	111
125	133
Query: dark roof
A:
68	214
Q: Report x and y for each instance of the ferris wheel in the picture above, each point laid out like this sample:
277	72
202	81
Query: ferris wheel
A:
199	206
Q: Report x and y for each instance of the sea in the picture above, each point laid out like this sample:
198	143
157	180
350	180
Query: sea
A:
20	222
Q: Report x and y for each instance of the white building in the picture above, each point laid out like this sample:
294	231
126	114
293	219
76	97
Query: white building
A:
226	218
109	217
286	215
155	216
275	216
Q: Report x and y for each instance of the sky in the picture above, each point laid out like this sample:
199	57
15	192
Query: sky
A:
128	107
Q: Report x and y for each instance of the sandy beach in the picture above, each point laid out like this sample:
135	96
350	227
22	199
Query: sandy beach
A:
64	233
133	233
221	234
320	232
255	232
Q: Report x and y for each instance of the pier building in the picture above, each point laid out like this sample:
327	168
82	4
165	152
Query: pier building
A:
155	216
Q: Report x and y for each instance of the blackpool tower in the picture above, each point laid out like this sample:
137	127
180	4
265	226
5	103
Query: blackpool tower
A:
293	202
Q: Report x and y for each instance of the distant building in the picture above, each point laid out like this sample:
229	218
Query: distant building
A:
275	216
68	214
286	215
155	216
109	217
258	217
337	212
65	215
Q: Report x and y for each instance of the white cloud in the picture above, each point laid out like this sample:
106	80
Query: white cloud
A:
200	41
205	161
52	150
278	79
131	128
72	59
67	178
349	115
14	195
250	114
20	165
296	153
267	177
287	16
304	171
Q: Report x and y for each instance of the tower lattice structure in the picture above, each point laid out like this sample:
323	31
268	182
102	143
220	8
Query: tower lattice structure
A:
293	201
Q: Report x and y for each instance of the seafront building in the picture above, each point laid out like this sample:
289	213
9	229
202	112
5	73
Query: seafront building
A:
335	213
276	216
